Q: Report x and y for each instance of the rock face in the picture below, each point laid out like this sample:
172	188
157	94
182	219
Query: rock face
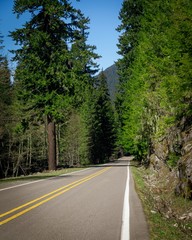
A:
185	165
174	151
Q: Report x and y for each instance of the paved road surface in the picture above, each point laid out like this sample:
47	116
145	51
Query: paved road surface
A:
86	205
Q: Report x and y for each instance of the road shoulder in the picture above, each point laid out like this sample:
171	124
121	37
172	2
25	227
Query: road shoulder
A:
138	224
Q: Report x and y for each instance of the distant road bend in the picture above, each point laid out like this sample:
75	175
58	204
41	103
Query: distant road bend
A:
99	203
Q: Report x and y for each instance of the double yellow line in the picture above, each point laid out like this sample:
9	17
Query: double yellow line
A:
47	197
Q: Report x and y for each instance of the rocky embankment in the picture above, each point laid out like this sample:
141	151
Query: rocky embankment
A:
174	152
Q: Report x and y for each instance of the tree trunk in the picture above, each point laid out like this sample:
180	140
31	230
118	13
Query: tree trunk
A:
51	143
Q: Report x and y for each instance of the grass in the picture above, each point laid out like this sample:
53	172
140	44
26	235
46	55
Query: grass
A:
160	226
38	176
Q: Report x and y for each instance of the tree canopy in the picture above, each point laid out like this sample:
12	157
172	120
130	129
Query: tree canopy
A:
155	71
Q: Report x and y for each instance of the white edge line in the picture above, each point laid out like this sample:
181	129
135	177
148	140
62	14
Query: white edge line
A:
125	228
24	184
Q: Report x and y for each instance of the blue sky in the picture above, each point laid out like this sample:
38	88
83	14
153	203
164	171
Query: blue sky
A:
104	20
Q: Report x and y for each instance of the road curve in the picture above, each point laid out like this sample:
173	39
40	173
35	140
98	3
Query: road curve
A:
85	205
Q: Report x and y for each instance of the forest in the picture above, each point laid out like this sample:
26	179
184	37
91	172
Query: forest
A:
154	100
58	111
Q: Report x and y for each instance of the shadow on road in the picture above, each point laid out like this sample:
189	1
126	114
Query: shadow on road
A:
121	162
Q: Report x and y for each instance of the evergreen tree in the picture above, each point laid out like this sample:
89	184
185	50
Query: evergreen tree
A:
83	62
47	66
108	135
102	132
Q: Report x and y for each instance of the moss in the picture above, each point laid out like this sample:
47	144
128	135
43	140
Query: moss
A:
173	159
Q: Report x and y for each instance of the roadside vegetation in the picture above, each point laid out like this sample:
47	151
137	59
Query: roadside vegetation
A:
154	99
169	217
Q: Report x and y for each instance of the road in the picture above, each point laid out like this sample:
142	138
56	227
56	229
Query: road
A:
99	203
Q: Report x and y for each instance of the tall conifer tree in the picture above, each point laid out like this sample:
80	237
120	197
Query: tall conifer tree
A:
103	133
46	66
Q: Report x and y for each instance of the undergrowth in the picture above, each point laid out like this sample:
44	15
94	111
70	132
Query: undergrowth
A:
169	217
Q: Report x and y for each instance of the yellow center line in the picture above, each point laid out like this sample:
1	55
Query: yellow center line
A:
59	192
46	195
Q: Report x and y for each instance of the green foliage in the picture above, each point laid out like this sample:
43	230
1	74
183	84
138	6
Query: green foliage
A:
104	138
53	55
73	142
5	110
173	159
155	71
98	122
55	63
54	77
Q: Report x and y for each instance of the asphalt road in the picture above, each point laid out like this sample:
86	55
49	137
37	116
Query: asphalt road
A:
85	205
